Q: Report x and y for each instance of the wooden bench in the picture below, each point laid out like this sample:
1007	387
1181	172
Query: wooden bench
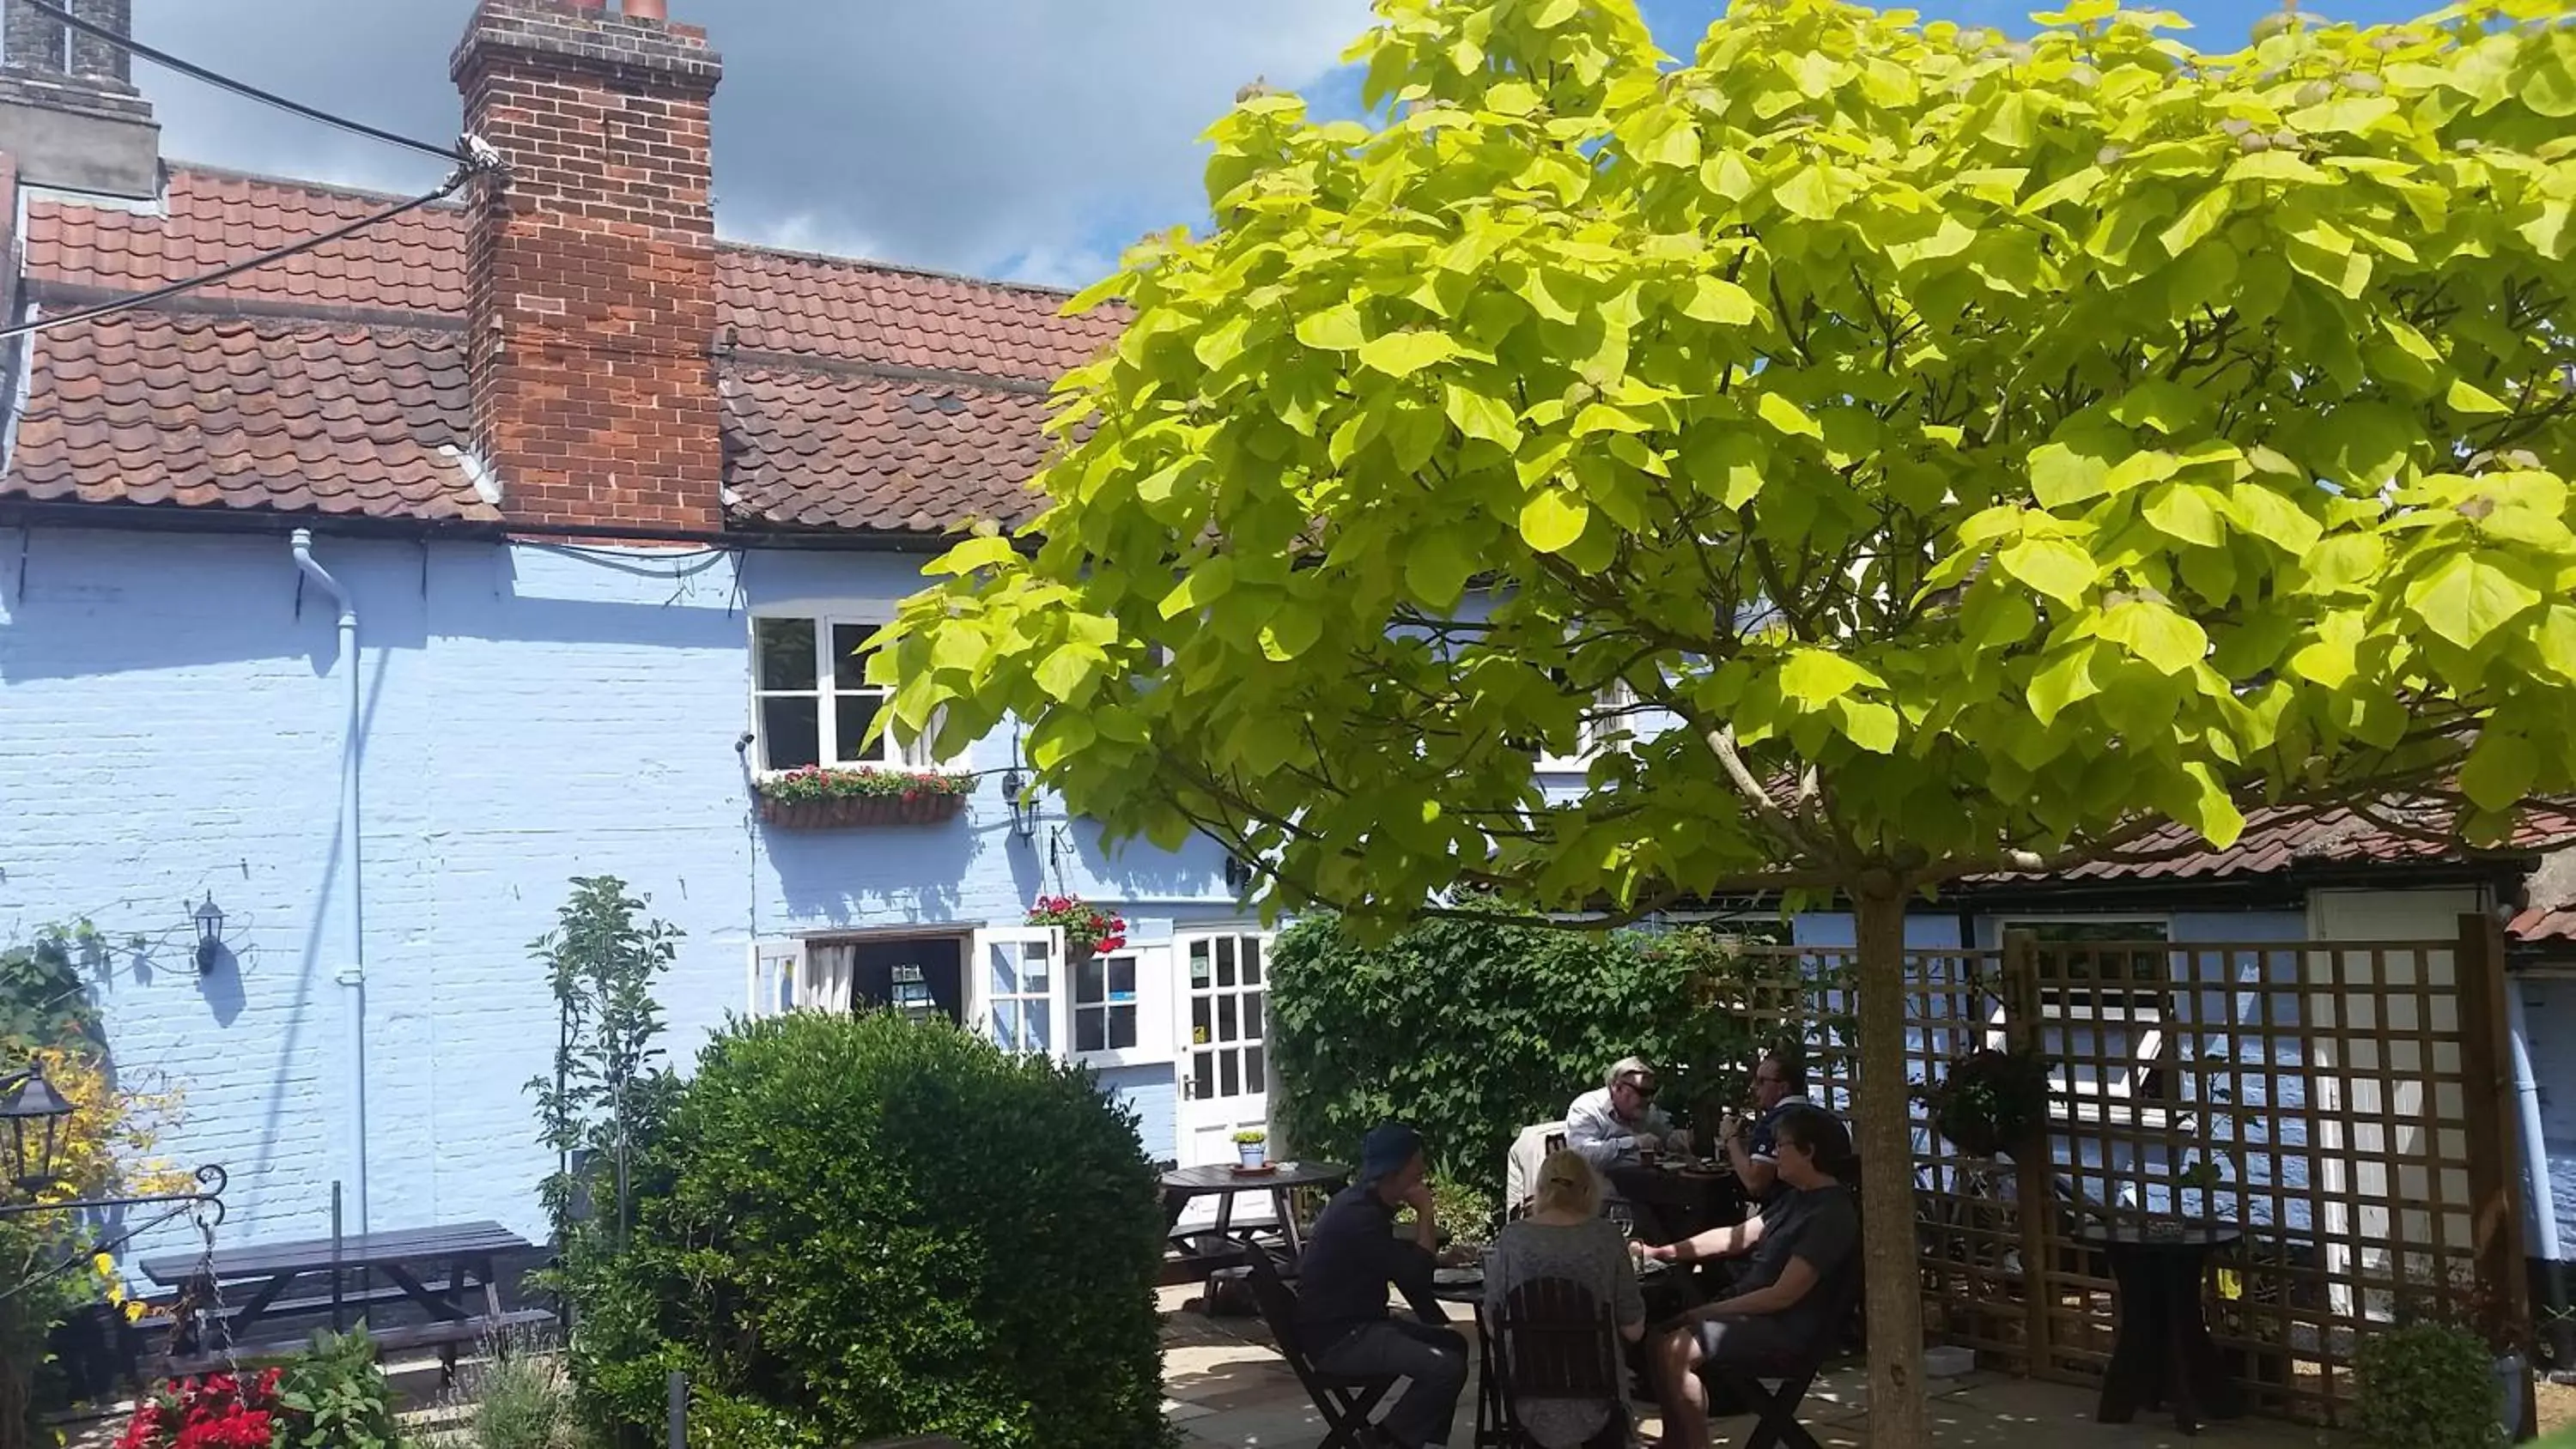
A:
449	1336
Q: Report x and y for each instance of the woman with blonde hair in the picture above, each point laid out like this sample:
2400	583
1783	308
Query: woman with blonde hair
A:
1565	1237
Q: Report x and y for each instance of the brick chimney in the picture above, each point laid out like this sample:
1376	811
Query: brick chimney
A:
592	264
69	112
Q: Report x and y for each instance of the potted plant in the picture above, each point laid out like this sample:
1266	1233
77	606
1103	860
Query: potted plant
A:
1252	1145
1088	930
814	797
2432	1386
1990	1101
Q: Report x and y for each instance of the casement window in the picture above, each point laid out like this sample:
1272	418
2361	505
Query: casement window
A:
811	700
2103	1006
1105	1004
1601	729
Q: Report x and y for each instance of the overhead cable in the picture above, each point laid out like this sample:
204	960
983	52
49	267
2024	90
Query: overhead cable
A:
194	71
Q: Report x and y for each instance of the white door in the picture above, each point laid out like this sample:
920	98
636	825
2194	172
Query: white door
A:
1225	1061
1014	993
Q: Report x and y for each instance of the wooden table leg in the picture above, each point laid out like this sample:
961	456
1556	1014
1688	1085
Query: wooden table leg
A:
1287	1210
2138	1341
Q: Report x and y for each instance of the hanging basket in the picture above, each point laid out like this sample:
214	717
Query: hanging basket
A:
853	812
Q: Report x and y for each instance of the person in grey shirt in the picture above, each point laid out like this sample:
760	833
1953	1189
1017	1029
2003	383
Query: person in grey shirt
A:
1781	1302
1566	1237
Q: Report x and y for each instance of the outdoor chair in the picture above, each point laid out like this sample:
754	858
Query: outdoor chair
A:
1555	1340
1775	1410
1346	1403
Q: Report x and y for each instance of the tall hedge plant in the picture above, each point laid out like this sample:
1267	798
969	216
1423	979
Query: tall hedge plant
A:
1471	1029
853	1228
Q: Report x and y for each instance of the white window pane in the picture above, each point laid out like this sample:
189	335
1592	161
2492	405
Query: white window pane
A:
1039	1028
853	715
849	665
791	733
1006	971
786	653
1122	1028
1090	1031
1006	1024
1090	980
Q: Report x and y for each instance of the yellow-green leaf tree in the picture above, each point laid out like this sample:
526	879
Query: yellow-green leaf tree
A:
1911	452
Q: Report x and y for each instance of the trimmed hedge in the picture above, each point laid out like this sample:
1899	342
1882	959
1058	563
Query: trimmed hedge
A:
1470	1030
851	1228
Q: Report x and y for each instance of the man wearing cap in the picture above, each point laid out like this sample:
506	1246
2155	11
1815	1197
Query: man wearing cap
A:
1352	1258
1615	1127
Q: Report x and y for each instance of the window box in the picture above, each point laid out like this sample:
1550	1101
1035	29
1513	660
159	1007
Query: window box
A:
815	798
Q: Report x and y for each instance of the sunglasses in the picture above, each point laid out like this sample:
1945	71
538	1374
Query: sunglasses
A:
1642	1089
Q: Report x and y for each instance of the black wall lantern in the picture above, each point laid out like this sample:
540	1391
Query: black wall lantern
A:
210	935
32	1115
1024	811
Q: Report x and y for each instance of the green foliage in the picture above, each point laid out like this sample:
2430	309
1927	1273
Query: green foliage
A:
515	1397
43	1000
1918	452
1470	1029
852	1228
1989	1100
609	1074
2427	1386
1902	452
336	1396
1467	1214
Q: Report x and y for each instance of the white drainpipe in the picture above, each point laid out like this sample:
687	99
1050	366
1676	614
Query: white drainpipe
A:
352	974
2543	1202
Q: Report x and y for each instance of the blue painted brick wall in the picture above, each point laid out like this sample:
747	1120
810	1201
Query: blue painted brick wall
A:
170	726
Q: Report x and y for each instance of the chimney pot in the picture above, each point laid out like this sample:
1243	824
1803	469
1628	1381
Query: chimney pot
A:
647	10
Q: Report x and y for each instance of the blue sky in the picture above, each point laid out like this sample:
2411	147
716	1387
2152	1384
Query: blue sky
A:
1029	139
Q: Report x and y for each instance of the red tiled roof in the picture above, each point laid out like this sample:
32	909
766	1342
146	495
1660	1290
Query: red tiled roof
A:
2544	924
850	451
863	396
202	412
847	311
413	263
2280	840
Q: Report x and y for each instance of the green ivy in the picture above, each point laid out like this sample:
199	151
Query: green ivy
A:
1469	1030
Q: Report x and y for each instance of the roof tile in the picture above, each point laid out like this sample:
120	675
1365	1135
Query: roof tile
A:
147	408
839	451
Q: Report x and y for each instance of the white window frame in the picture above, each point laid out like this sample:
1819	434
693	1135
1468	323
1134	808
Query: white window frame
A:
2107	1005
1139	1000
981	998
826	695
1594	734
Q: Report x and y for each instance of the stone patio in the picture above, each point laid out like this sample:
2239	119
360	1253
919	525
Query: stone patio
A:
1224	1384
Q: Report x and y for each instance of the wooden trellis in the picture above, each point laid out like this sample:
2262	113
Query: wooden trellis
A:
2343	1105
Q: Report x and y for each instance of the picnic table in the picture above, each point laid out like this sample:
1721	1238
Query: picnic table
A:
448	1273
1215	1247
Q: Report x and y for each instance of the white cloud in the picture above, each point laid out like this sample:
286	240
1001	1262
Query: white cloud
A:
1037	136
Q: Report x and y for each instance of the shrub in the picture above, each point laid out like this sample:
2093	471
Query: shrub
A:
858	1227
334	1396
2427	1386
1469	1030
515	1398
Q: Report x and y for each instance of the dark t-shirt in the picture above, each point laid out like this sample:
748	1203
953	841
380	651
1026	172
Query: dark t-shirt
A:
1819	1225
1352	1257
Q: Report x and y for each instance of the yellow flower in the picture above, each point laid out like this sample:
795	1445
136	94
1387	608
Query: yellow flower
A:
135	1309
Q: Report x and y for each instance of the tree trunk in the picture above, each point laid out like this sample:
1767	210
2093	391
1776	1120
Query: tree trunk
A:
1885	1138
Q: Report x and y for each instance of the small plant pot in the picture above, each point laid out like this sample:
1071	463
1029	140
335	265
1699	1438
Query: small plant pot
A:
858	811
1255	1155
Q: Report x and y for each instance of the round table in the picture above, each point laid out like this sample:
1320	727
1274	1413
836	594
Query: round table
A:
2161	1354
1215	1247
1684	1201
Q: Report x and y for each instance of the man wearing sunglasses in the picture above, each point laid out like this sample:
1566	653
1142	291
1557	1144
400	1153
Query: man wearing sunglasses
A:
1616	1129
